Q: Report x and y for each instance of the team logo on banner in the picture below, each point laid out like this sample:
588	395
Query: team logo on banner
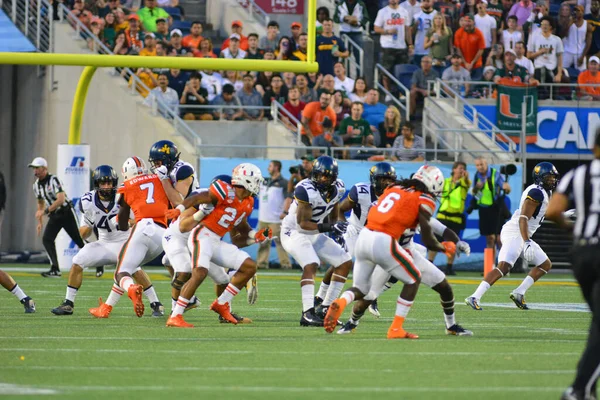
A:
77	166
509	109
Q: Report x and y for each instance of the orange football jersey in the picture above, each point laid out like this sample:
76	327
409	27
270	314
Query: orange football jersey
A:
146	197
398	210
229	210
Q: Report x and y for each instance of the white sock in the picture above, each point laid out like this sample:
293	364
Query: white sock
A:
322	290
71	293
349	296
228	294
308	294
18	292
151	294
403	307
180	306
173	304
115	295
126	282
335	288
525	285
450	320
483	287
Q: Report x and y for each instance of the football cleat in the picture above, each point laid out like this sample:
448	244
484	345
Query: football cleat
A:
458	330
252	290
158	310
29	305
135	294
473	302
348	327
399	333
334	313
223	311
178	322
99	271
310	318
239	319
194	302
64	309
102	311
570	394
318	301
374	309
321	311
519	300
53	273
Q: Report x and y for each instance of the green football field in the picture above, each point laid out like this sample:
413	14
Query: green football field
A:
514	354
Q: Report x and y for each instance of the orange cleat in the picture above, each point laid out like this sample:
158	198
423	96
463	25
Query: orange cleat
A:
135	294
102	311
333	314
399	333
178	322
223	311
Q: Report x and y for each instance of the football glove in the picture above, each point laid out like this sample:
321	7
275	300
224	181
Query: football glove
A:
339	228
173	213
528	252
162	172
463	248
260	236
449	248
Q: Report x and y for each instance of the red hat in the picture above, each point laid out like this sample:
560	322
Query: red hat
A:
237	22
133	16
296	25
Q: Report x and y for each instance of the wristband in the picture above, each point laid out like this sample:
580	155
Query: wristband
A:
326	227
198	215
286	213
47	211
252	234
181	208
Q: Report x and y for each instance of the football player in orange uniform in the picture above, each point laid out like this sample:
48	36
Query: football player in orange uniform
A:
405	205
143	194
233	204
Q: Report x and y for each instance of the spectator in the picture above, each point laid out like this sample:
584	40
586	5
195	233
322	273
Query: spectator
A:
284	49
178	80
535	19
269	55
496	10
96	29
300	53
133	35
359	91
249	97
511	36
121	22
389	128
564	21
273	192
233	51
469	8
195	37
342	81
484	90
263	80
352	16
176	48
522	10
147	78
507	5
408	146
108	9
149	45
340	109
234	78
109	33
578	39
278	92
457	76
237	27
322	15
512	70
294	106
254	53
288	79
206	49
164	96
594	19
213	83
470	43
328	139
161	49
419	82
149	14
354	130
374	111
307	95
521	59
295	32
194	94
496	56
328	83
121	46
271	41
412	7
422	23
487	25
393	24
329	48
314	80
546	51
162	30
313	116
590	76
439	42
233	112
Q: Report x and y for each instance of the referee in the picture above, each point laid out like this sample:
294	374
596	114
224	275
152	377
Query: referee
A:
53	202
581	188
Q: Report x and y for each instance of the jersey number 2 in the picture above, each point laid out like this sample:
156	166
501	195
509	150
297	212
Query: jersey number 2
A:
229	216
150	195
387	203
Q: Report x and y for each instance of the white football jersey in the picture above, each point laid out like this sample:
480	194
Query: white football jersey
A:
307	192
173	229
97	213
363	196
183	170
406	240
542	197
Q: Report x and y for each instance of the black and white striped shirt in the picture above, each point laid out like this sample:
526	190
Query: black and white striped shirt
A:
46	189
582	187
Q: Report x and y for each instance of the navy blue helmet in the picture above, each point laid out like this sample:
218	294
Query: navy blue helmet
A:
546	175
324	166
104	174
224	178
165	152
380	172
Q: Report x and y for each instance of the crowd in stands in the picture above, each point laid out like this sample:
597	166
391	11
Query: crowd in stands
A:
476	40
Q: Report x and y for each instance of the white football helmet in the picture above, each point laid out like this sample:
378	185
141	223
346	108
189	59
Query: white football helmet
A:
133	167
248	176
432	177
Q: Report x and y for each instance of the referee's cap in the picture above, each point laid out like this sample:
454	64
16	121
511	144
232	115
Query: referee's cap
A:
38	162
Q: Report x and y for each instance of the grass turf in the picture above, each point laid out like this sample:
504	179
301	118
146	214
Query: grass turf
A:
513	354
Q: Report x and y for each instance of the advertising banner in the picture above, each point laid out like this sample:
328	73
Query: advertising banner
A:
281	7
509	105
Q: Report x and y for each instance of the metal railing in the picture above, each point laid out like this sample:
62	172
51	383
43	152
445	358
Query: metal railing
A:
285	118
404	91
351	64
254	10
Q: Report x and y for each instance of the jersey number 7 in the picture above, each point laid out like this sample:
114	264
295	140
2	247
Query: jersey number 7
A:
150	188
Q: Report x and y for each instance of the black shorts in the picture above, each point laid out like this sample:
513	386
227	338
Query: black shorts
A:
391	57
453	226
490	220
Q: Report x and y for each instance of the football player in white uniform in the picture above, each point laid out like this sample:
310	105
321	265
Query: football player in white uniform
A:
516	238
8	283
360	199
99	208
304	236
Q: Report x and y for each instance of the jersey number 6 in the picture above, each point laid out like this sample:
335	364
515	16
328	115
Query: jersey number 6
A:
387	203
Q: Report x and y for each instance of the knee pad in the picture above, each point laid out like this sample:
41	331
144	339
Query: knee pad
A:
179	279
